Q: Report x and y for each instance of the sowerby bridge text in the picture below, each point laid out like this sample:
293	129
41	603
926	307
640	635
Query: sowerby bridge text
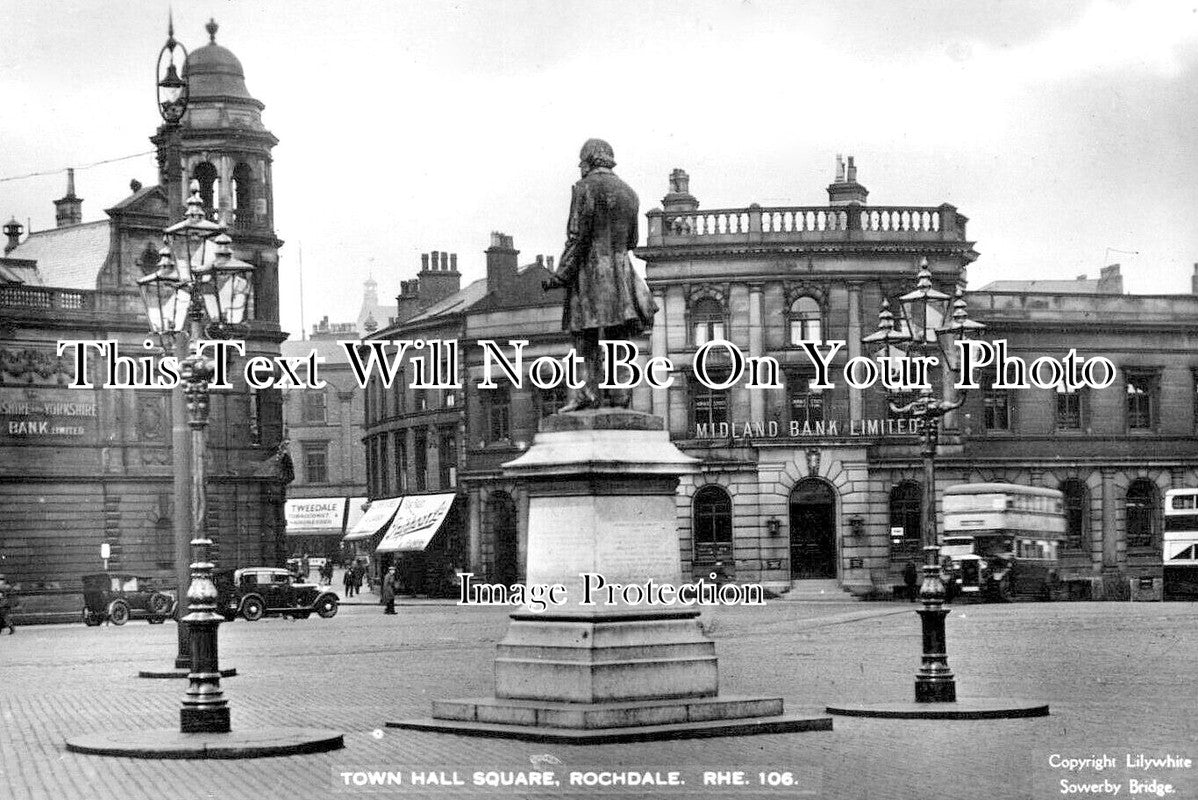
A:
718	364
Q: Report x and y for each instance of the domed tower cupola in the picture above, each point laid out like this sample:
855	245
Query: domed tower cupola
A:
225	147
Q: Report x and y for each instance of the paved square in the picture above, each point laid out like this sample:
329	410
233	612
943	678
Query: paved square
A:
1119	676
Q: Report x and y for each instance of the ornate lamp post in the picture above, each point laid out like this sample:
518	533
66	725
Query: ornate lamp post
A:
204	291
933	322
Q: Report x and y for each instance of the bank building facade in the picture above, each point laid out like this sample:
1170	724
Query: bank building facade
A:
818	491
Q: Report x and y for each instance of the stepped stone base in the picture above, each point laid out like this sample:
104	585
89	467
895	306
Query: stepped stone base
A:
597	723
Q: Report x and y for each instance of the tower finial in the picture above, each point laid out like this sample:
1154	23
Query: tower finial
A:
170	24
212	28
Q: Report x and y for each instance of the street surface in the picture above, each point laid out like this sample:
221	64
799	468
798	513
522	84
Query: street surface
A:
1120	678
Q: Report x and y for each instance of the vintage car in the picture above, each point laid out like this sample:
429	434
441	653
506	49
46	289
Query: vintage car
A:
120	598
256	592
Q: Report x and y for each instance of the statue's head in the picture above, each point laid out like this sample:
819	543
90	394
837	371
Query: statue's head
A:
595	153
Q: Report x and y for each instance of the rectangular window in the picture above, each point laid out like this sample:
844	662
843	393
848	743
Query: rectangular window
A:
1069	410
996	408
397	397
707	330
316	462
1142	399
708	406
400	448
447	459
255	417
420	459
315	407
384	466
806	404
420	399
497	413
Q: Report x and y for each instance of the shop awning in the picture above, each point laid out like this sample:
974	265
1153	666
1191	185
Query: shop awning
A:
315	516
376	518
419	519
356	510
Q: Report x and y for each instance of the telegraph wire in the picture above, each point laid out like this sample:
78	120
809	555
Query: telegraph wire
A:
64	169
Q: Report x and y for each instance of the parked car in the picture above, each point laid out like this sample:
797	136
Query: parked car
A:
120	598
256	592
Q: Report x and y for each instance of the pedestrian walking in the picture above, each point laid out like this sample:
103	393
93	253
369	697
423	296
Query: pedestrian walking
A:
348	580
387	591
910	578
305	567
8	603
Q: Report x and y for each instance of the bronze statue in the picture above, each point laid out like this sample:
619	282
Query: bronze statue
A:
605	298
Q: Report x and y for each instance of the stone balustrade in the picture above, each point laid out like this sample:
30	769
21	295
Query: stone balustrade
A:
45	298
785	224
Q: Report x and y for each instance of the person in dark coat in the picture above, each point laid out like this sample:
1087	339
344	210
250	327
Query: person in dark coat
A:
387	592
911	578
605	298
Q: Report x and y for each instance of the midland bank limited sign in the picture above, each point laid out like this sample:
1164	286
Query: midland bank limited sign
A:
808	429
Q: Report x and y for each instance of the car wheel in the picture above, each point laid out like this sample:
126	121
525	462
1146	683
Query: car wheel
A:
327	606
90	619
252	609
160	605
118	612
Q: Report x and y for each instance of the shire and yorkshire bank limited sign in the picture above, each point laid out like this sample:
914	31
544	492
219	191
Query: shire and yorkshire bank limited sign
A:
795	429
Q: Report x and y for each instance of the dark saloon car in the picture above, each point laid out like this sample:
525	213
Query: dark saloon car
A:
257	592
120	598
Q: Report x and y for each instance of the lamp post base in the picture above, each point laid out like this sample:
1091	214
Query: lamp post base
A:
976	708
172	744
178	672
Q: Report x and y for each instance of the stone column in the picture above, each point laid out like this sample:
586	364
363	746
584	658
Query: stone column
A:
1110	531
661	397
854	345
756	337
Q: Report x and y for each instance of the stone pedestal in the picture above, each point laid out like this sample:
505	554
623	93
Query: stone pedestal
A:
608	665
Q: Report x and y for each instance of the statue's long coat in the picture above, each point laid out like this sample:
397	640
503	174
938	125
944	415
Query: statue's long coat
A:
603	291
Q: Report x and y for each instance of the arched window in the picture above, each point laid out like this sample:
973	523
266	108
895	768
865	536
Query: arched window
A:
712	527
906	502
1141	509
707	321
209	182
243	195
806	320
1077	513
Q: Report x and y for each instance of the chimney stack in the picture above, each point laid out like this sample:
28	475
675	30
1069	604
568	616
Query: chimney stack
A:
502	263
438	277
1109	280
845	190
13	231
68	210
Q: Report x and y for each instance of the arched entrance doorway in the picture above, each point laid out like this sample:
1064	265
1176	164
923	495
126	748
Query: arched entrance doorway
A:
501	518
812	530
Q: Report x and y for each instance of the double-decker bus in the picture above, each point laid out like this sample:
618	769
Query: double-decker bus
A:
1002	539
1180	545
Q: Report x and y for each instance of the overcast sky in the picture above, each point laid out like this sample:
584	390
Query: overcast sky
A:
1060	129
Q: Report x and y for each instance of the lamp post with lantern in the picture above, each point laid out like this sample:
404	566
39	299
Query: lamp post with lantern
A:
201	291
931	324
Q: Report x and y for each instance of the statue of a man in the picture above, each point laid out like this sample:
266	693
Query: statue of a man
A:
605	298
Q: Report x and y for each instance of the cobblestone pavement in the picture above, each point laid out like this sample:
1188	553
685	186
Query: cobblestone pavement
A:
1120	677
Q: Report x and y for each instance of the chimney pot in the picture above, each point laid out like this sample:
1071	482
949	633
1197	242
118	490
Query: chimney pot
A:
424	262
453	262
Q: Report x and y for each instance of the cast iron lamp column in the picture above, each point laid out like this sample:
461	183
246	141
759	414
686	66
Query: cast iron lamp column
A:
927	334
173	96
208	284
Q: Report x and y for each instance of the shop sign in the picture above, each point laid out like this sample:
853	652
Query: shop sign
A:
46	414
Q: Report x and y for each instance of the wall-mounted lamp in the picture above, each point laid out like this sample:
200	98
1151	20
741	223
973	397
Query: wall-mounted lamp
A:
774	526
857	525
